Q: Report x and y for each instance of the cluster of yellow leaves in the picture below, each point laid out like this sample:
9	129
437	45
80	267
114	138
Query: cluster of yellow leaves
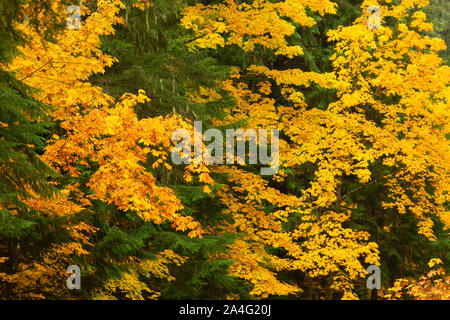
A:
47	277
258	23
326	249
203	95
119	143
61	205
402	65
113	138
253	264
143	4
102	133
435	285
60	69
369	66
130	285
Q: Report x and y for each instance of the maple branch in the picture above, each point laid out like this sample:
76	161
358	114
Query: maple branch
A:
29	75
365	185
193	39
200	36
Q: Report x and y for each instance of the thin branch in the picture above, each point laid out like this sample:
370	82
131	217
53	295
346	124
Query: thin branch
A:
365	185
29	75
198	37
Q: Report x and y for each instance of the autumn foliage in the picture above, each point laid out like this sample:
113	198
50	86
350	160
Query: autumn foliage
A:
364	175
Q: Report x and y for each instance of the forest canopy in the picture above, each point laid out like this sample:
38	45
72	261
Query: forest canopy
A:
119	121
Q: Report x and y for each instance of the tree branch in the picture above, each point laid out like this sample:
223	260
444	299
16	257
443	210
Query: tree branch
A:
29	75
365	185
